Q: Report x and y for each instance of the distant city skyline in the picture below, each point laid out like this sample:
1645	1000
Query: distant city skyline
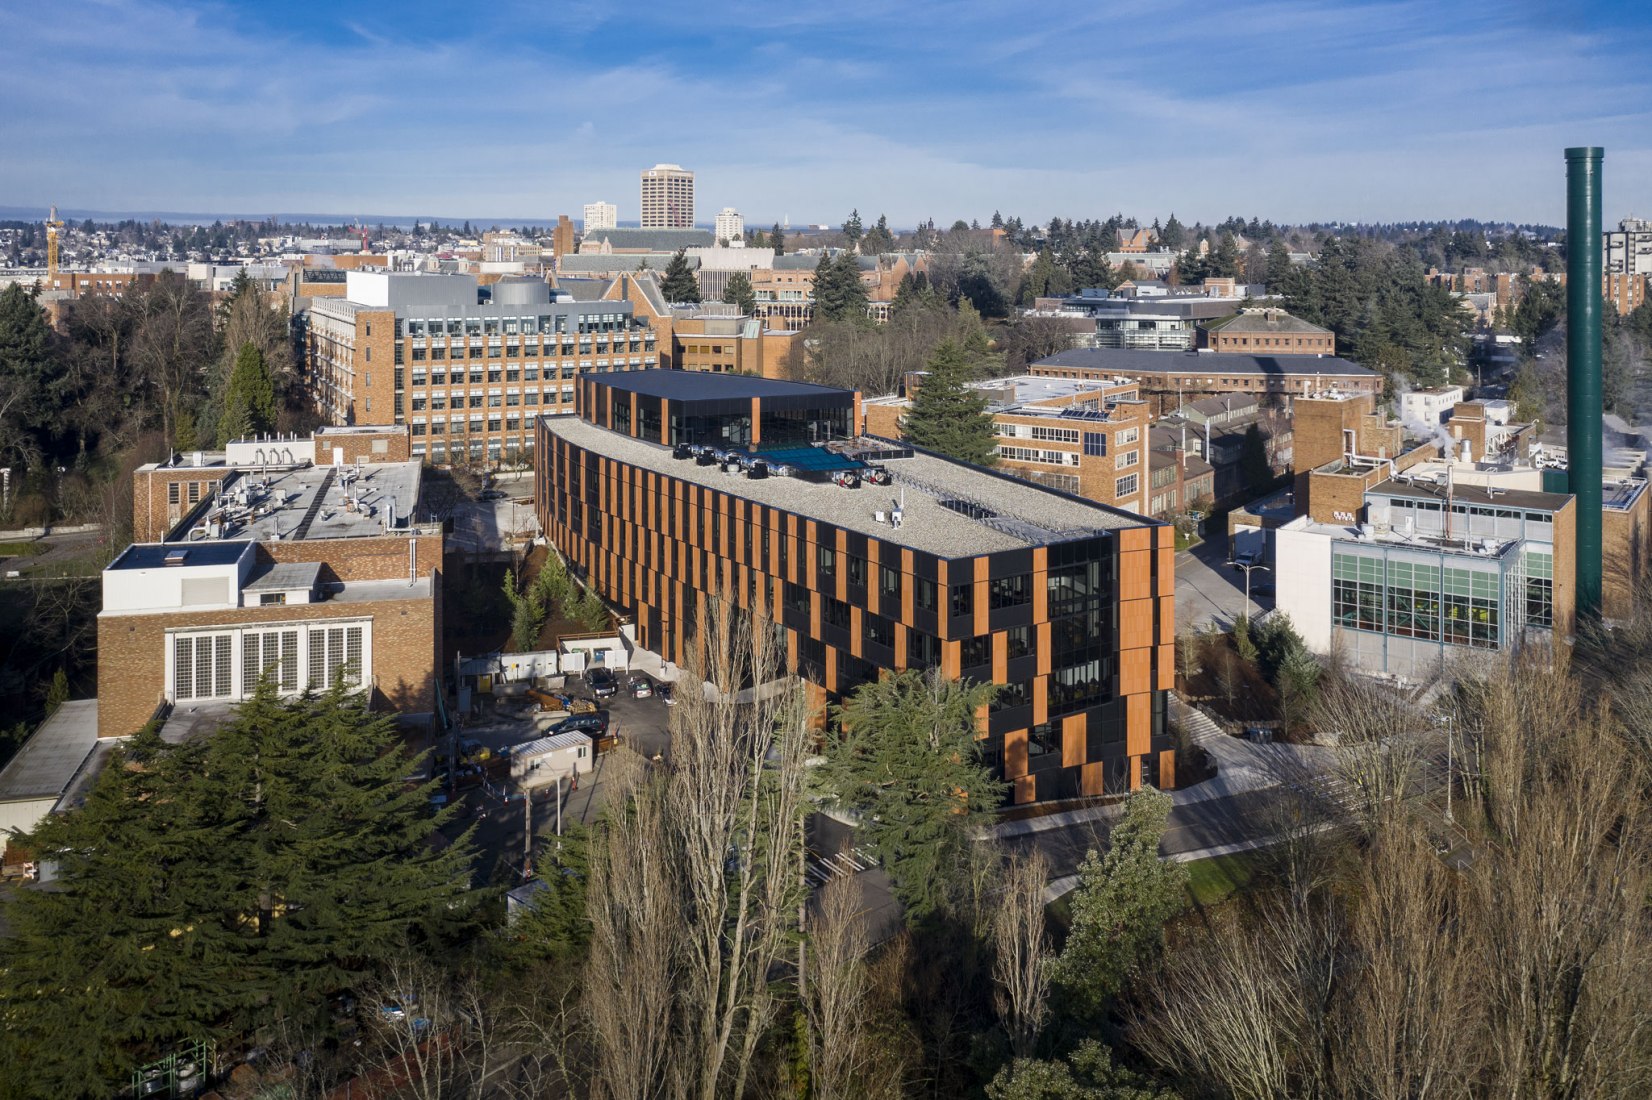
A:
1292	111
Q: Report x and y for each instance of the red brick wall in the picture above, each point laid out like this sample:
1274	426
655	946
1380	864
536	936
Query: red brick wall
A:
152	515
132	653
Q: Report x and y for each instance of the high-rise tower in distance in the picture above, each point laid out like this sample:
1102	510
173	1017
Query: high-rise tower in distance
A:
601	215
667	197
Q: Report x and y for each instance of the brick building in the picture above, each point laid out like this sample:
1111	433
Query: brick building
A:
301	559
1408	553
1066	604
465	366
1266	331
1085	438
1170	379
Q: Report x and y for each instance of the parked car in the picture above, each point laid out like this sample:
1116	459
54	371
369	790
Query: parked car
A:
641	687
494	494
595	724
603	682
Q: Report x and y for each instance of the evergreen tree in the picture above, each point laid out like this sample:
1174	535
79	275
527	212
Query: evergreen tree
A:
327	863
879	239
948	416
852	229
1121	904
58	692
679	285
204	886
839	293
249	397
1174	234
778	239
122	958
906	760
1279	266
914	292
1224	259
29	374
739	292
997	220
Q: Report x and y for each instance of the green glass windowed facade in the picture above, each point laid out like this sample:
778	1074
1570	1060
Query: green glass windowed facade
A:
1478	601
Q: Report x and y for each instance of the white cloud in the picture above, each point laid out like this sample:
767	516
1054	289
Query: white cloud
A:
1288	110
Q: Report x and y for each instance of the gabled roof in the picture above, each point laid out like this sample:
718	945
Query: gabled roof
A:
1263	321
1138	361
652	240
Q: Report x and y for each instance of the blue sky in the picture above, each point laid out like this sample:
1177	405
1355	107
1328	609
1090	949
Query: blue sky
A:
1294	110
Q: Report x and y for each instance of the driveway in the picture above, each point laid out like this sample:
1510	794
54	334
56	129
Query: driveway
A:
1209	591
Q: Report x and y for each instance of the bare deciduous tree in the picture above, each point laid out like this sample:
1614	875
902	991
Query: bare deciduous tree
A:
686	936
1021	953
842	1048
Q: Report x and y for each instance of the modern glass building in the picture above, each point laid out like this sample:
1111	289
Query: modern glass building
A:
1068	605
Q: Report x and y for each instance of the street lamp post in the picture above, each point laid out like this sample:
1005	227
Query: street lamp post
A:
1247	566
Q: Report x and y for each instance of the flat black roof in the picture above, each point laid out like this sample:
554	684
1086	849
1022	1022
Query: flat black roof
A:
688	385
1137	360
153	555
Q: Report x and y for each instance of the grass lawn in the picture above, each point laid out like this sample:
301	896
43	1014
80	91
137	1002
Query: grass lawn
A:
1213	880
1186	542
19	549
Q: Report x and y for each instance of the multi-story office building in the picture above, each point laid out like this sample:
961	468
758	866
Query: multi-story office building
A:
1085	438
600	215
1068	605
465	366
1629	248
730	226
667	197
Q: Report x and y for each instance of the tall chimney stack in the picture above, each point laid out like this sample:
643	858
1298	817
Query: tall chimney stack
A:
1583	383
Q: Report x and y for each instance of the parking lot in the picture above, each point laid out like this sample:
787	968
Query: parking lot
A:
498	812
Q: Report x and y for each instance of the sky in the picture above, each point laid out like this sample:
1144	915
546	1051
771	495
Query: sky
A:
501	110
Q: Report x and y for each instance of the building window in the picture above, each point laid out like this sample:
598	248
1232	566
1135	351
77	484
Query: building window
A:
834	612
335	653
1539	591
1095	444
924	594
963	599
826	561
889	587
1127	459
271	599
172	492
201	666
922	650
1126	485
194	492
270	653
857	570
1009	591
879	631
975	652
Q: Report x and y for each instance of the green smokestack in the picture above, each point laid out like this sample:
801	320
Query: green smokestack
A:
1583	386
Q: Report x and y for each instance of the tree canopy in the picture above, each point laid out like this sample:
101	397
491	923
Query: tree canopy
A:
679	283
947	415
905	759
739	292
205	885
839	293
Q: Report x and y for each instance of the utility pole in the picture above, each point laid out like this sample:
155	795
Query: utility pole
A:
527	835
